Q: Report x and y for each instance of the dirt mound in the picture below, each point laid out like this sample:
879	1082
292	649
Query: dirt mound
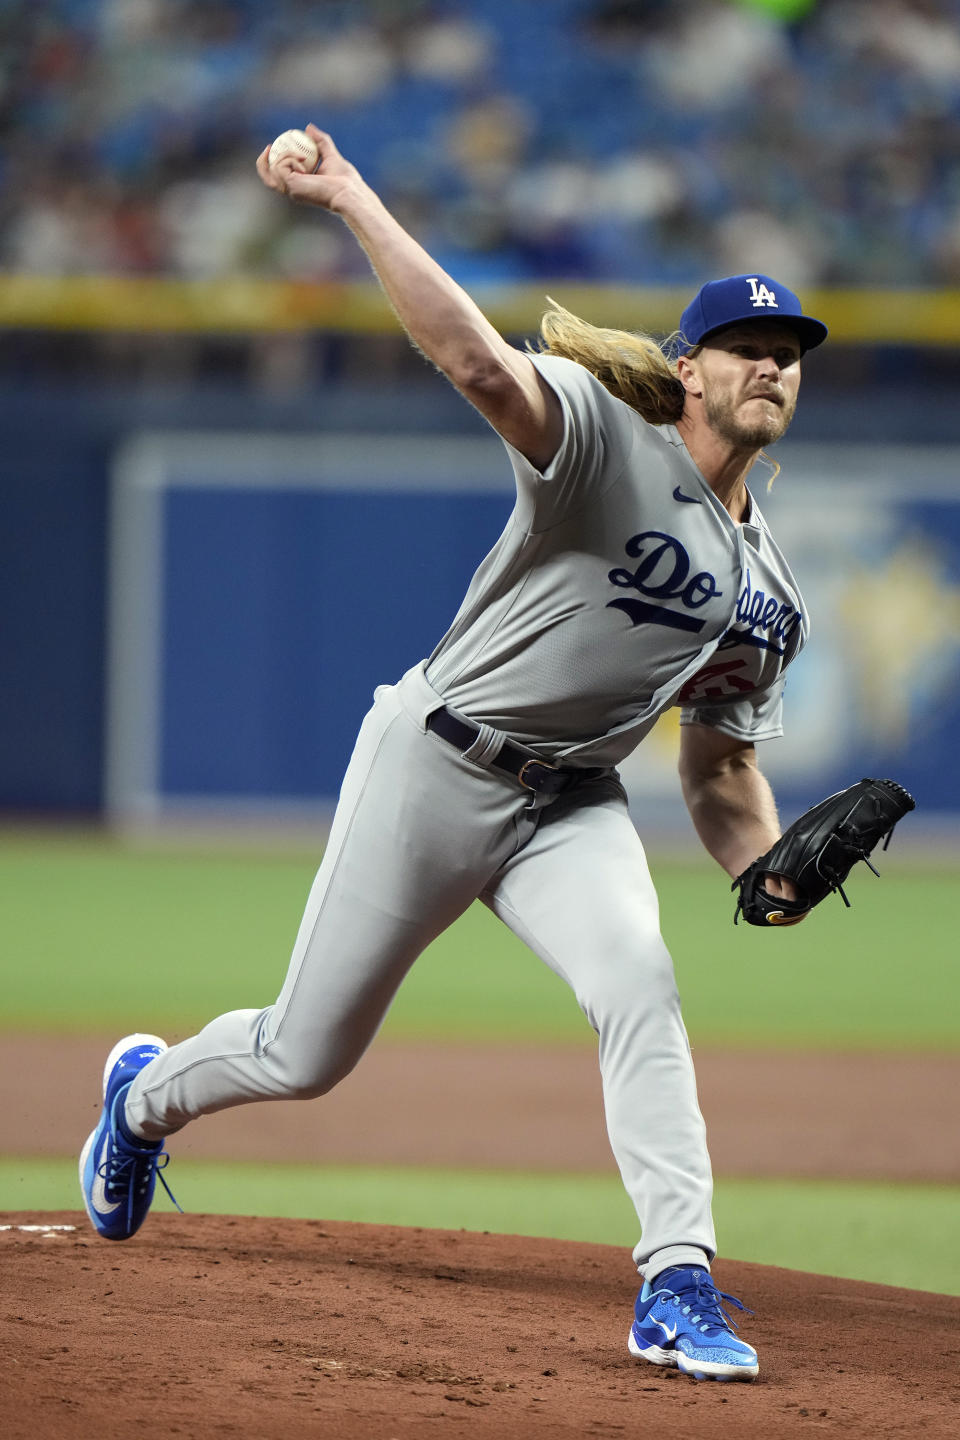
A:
208	1326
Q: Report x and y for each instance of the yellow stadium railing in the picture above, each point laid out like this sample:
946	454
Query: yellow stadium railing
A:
238	305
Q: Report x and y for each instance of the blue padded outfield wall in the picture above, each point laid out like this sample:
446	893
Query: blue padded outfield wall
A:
212	633
266	674
265	586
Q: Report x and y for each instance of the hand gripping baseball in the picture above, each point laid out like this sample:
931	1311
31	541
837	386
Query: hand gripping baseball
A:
291	175
818	851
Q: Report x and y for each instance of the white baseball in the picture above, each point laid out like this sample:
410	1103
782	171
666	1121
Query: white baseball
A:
295	144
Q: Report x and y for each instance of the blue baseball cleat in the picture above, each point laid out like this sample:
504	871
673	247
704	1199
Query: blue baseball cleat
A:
118	1172
680	1322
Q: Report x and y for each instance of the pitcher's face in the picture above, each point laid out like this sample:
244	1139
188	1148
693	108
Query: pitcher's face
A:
748	378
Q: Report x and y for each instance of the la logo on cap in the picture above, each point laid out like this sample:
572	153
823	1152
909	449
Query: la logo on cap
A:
759	294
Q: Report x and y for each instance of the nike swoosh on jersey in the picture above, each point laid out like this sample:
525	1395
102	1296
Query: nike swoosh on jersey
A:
98	1190
671	1334
687	499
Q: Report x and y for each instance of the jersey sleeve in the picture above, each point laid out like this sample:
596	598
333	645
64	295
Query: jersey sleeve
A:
599	432
758	716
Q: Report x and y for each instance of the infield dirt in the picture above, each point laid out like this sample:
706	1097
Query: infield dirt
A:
207	1326
768	1113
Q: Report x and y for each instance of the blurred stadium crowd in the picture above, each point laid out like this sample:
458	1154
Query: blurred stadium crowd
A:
647	142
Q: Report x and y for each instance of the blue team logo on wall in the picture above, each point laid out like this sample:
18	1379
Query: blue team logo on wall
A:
664	573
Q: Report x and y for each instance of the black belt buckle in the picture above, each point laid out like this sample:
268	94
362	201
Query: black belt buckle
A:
529	784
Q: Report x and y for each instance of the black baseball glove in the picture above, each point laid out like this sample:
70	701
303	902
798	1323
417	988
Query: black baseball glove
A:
818	851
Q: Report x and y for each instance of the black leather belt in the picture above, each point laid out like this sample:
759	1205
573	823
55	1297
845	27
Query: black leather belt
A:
536	775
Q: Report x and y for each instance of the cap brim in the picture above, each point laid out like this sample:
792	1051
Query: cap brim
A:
811	332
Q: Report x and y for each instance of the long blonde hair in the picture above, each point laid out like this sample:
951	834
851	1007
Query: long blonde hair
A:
632	366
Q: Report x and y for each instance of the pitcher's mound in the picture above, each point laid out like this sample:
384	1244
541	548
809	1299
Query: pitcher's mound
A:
209	1326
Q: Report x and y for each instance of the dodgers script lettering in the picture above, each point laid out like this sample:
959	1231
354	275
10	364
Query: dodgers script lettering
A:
755	612
663	574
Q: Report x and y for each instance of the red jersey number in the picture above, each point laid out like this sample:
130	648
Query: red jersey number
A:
716	682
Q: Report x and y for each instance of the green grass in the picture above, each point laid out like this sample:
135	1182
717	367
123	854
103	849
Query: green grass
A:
102	936
894	1234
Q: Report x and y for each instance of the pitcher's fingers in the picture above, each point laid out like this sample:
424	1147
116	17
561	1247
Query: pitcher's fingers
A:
263	168
310	188
270	178
325	143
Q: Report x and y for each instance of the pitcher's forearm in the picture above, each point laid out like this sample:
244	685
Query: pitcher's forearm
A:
438	315
734	814
436	312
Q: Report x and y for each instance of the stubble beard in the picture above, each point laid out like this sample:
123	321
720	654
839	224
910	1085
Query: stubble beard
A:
721	415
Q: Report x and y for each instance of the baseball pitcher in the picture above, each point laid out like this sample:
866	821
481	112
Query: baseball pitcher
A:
634	573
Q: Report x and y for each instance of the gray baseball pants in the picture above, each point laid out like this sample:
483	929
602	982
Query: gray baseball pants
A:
419	833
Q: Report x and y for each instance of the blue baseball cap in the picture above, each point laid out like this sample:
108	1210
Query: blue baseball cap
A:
720	303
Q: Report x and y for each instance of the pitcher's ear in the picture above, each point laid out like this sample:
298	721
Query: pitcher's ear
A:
688	375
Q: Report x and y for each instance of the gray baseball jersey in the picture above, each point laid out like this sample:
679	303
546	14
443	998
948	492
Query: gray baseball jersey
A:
620	586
